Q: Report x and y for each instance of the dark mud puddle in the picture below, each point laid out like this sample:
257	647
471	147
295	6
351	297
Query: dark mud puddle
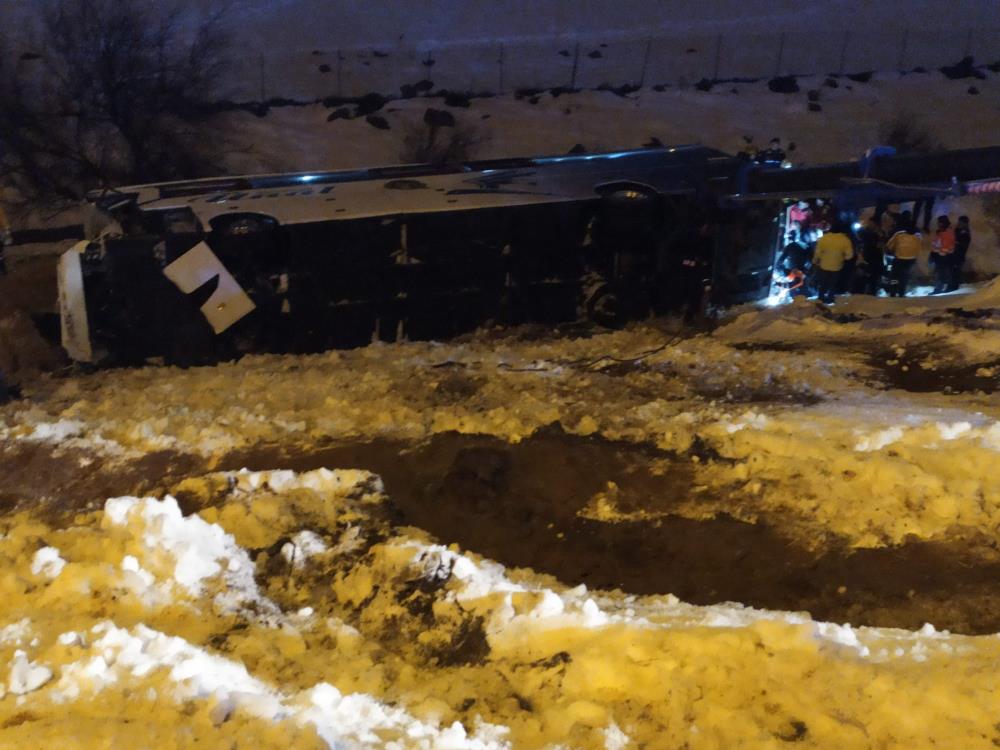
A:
905	372
518	504
57	482
908	373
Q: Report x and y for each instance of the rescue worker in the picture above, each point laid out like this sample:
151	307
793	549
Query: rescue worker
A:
800	213
5	240
749	151
942	254
823	215
963	238
773	154
695	272
833	250
872	238
793	263
903	246
794	255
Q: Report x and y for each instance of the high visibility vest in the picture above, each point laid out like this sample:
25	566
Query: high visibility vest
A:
904	245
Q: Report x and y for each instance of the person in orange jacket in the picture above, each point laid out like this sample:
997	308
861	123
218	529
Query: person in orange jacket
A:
903	246
943	254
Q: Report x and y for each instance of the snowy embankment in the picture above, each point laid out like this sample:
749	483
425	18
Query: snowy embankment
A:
287	610
288	614
792	399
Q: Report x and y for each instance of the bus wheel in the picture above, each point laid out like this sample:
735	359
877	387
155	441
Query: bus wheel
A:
605	308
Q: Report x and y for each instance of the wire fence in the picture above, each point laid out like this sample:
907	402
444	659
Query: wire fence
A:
681	60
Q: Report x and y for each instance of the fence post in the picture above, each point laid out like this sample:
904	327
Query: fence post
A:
645	63
843	52
902	49
500	65
263	89
397	63
340	73
718	57
781	54
576	61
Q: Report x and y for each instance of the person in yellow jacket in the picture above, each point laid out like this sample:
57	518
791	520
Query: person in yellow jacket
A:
833	250
903	246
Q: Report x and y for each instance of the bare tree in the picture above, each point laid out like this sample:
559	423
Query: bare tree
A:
439	139
908	134
120	91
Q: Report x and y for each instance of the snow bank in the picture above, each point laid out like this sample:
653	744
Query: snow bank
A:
180	570
187	673
985	297
94	660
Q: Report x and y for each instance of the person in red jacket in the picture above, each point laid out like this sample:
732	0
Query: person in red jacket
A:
801	214
942	254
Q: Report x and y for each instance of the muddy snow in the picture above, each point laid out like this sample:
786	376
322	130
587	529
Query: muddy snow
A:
759	534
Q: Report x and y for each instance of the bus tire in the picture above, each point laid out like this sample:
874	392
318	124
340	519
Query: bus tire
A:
604	307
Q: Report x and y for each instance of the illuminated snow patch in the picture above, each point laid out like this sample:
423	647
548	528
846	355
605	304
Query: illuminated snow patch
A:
303	545
57	431
143	657
878	440
615	738
185	551
749	419
360	717
197	548
15	633
953	430
318	480
47	562
26	676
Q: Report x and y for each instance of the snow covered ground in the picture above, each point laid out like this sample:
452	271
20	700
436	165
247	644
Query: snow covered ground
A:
305	49
139	625
293	609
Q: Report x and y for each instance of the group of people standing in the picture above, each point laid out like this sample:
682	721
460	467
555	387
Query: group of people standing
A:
825	256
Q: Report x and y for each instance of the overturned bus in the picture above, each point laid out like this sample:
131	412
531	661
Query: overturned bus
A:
203	270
